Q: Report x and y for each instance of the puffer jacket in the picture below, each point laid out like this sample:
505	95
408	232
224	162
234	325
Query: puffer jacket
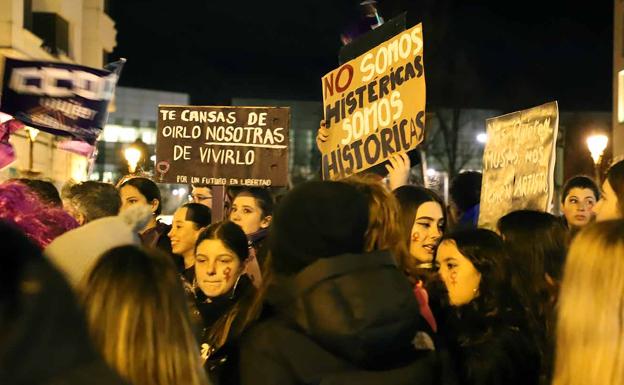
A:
349	319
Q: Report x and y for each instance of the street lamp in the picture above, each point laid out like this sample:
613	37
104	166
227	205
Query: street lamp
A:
133	155
597	144
32	137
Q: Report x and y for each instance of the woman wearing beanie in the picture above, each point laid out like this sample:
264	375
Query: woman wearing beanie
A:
341	315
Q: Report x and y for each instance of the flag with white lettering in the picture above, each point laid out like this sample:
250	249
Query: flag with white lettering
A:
59	98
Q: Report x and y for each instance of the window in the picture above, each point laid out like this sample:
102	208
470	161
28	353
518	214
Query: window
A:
28	15
53	30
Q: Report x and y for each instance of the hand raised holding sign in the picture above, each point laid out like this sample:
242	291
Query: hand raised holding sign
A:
398	169
322	134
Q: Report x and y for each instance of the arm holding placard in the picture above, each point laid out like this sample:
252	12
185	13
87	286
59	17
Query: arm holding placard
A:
398	170
398	167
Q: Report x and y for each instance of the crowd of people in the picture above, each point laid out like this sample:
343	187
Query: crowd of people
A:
346	282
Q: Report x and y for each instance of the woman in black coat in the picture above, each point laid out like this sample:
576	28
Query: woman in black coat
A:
486	329
339	315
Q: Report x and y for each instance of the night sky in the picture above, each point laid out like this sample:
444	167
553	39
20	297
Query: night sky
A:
486	54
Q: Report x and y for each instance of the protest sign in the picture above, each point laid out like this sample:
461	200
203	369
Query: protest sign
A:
234	146
374	106
518	163
59	98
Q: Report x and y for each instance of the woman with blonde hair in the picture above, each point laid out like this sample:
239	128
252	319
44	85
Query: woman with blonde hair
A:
138	318
590	333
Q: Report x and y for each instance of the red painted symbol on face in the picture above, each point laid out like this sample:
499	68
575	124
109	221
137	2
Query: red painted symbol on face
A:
227	273
453	278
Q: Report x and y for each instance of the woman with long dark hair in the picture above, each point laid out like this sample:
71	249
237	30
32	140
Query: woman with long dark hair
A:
487	333
611	203
188	221
422	220
223	295
537	244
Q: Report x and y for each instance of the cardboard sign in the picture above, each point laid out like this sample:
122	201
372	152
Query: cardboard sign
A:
519	163
374	106
234	146
59	98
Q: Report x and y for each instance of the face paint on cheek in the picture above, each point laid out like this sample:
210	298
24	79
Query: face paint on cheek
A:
227	273
453	277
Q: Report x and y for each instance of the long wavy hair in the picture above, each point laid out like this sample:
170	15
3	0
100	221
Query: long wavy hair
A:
234	321
590	332
410	198
384	231
41	222
615	176
497	303
537	243
138	318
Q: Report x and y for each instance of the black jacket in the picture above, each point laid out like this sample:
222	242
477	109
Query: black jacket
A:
351	319
491	350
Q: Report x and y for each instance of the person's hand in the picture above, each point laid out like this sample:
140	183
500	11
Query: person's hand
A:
322	135
398	170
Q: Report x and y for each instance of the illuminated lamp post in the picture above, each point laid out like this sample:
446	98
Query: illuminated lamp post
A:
32	137
132	155
596	145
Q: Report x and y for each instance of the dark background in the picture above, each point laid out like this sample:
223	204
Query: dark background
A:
487	54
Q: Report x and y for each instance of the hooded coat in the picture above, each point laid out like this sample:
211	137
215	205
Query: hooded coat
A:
348	319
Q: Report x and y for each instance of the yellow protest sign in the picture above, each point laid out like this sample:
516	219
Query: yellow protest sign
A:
374	105
519	163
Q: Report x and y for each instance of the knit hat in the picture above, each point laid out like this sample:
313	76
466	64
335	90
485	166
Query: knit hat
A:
317	220
75	252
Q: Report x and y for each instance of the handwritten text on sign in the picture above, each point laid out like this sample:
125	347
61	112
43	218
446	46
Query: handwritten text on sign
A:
222	145
374	106
518	163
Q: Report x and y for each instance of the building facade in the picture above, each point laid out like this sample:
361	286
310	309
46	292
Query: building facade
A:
132	123
72	31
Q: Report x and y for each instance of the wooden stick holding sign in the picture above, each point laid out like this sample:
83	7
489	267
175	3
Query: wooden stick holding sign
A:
218	204
223	146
